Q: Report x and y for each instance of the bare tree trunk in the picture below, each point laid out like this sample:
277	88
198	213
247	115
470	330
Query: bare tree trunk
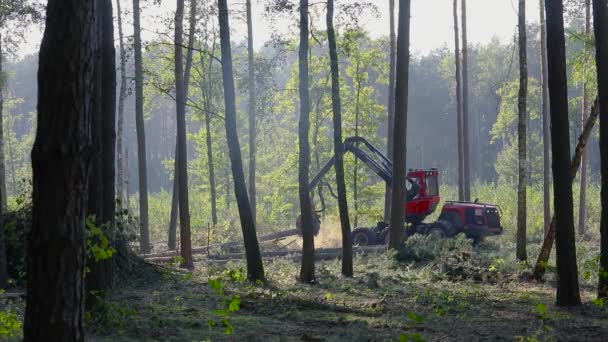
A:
3	261
255	269
459	109
307	271
600	19
400	126
356	169
465	106
582	212
144	232
546	125
521	135
172	240
252	95
121	109
182	159
391	104
347	241
61	161
567	271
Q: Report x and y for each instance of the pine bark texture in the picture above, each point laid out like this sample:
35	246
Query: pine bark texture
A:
546	120
307	271
144	232
466	182
182	158
120	181
391	103
61	162
600	20
582	209
567	271
255	269
347	241
251	110
400	127
521	136
459	109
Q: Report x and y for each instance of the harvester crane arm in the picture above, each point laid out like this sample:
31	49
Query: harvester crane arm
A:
372	158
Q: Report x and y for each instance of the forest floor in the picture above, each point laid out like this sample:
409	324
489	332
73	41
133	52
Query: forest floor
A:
435	293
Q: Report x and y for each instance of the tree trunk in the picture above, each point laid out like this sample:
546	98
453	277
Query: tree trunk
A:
356	169
255	269
144	232
400	126
600	19
121	109
182	159
582	212
61	162
347	241
465	107
545	252
567	271
3	261
458	104
172	240
546	125
521	135
391	104
252	132
307	271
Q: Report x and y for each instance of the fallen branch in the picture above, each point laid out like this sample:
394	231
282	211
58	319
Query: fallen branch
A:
545	252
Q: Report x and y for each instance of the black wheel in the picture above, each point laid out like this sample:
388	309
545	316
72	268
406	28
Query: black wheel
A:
364	237
383	237
437	232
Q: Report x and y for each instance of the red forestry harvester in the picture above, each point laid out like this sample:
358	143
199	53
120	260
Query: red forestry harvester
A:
474	219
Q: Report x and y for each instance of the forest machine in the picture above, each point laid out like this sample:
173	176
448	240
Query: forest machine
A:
474	219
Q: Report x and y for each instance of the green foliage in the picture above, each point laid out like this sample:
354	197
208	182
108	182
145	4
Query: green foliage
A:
106	315
98	240
10	325
225	304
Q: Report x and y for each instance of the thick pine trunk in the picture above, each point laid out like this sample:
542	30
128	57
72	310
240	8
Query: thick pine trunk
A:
582	209
307	271
61	162
391	104
144	232
121	110
522	135
600	19
251	109
182	159
347	241
459	111
545	251
255	269
466	178
400	126
567	271
546	125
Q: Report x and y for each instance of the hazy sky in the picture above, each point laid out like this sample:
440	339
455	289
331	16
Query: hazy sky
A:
431	26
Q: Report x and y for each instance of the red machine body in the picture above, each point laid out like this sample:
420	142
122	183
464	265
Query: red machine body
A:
425	203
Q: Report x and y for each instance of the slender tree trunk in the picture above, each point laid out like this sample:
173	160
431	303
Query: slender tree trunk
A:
144	232
121	109
567	271
465	106
61	162
172	240
182	159
255	269
400	126
307	271
356	169
582	212
252	95
600	20
3	261
546	125
521	135
391	103
347	241
459	109
545	251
